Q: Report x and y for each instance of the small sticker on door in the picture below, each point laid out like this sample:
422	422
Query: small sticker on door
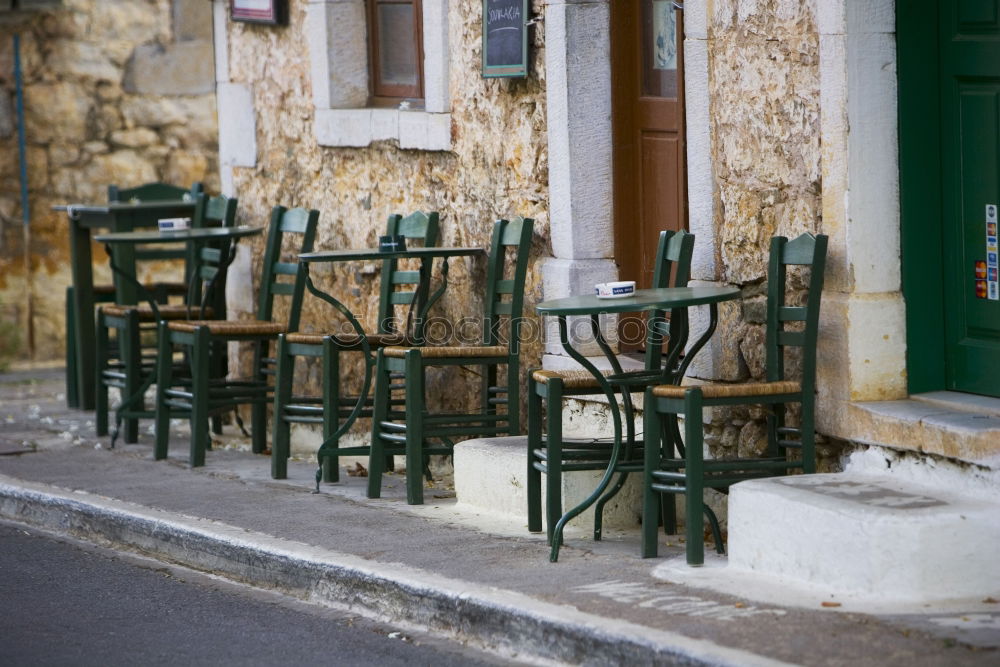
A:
990	289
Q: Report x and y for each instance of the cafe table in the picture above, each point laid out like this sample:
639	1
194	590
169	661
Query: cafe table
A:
676	300
415	320
83	219
120	247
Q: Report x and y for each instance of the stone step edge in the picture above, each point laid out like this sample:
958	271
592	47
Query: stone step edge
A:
505	622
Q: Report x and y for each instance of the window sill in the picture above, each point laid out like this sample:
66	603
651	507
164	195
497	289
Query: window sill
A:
358	128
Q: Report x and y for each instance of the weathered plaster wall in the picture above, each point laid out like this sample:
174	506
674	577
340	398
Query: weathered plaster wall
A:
764	85
497	167
116	91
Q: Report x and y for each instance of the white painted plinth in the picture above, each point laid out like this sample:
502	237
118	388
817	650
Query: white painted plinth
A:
868	536
491	478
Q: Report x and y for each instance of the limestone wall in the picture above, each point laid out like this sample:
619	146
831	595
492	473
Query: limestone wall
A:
116	91
765	129
497	167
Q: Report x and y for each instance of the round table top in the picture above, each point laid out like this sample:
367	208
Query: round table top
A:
153	204
362	254
662	298
174	236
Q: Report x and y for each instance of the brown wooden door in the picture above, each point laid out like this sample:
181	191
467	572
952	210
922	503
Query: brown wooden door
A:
648	126
650	180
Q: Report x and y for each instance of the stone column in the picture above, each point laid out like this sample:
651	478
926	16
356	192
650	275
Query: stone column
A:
578	87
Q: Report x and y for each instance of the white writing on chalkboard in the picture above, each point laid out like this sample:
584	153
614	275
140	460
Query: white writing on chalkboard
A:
505	14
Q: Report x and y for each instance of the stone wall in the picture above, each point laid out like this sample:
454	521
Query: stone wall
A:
765	129
496	168
116	91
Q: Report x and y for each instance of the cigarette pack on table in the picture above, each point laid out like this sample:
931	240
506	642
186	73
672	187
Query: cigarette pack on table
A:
174	224
615	290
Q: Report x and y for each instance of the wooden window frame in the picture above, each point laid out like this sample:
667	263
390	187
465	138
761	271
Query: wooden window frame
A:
383	94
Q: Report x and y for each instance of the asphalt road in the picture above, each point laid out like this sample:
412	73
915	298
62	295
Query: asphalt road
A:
67	603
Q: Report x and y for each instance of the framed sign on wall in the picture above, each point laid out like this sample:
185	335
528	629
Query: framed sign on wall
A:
260	11
505	38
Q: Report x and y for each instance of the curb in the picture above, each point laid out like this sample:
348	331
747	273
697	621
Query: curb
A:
510	623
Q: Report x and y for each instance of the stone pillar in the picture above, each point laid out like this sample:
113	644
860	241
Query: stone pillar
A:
862	353
578	86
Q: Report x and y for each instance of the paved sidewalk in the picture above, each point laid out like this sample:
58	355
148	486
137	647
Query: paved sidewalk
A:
435	566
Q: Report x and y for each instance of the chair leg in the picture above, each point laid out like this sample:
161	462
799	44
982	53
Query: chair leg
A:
534	479
807	426
199	397
513	396
164	379
331	408
414	427
130	351
694	480
651	505
258	408
72	393
380	412
670	435
280	445
553	449
100	366
220	367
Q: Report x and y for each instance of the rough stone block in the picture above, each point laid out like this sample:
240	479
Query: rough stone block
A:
185	68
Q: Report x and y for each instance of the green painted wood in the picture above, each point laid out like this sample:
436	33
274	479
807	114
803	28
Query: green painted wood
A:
644	299
421	429
205	245
689	472
549	454
222	394
970	167
418	227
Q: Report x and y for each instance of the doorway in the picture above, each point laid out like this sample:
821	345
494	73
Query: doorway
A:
949	114
649	172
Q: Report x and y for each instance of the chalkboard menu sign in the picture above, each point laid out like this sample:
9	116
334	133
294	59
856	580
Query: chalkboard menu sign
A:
505	38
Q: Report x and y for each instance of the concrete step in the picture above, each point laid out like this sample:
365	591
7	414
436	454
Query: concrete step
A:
491	477
865	535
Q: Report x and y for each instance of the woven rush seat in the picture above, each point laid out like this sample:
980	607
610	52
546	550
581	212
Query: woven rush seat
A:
349	339
456	351
732	390
231	327
172	288
167	311
579	379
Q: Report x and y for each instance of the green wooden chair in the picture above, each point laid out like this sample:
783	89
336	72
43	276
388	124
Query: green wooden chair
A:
106	293
209	396
124	364
402	292
504	299
789	448
550	452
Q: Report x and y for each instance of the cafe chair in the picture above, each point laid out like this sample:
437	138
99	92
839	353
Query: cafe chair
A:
552	454
282	276
106	293
416	432
124	364
789	448
402	293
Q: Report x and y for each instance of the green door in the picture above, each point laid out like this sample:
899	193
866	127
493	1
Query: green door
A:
970	192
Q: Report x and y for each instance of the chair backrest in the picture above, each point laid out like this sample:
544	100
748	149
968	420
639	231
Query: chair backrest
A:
206	285
274	282
673	269
806	250
400	286
505	280
152	192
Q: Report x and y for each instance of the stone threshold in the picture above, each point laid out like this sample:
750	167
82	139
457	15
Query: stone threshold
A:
959	426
